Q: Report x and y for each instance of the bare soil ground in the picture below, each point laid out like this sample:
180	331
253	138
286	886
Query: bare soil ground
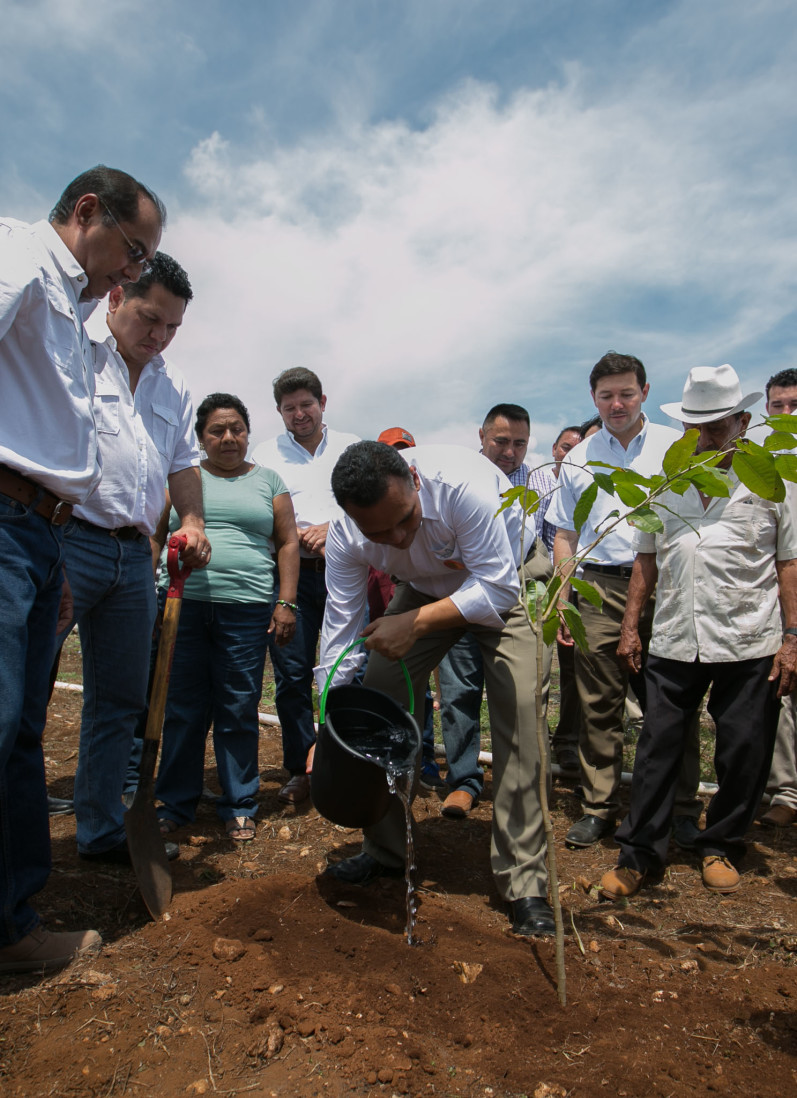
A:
265	980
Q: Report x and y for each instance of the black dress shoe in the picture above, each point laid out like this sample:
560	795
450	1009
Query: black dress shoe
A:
360	870
589	830
532	915
120	855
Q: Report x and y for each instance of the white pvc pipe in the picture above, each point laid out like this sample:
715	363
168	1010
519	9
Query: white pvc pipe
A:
485	757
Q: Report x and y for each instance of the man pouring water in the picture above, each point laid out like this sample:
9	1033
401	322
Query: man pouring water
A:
427	516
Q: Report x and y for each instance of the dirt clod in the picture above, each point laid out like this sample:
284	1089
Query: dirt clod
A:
228	949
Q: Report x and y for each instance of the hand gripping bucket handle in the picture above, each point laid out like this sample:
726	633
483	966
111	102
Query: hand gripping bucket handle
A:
322	709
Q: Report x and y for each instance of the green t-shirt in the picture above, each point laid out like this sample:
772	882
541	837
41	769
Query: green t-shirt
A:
239	521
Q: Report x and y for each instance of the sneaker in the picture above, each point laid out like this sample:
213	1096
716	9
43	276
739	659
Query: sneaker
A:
430	776
621	883
719	875
43	951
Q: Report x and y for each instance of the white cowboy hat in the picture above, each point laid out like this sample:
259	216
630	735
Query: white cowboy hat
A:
710	392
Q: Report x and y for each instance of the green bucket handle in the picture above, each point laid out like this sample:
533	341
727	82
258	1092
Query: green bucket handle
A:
322	709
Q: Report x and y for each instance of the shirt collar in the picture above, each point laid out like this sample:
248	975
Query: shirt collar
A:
636	442
288	435
64	260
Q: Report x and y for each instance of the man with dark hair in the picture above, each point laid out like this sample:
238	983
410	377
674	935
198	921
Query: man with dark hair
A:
427	516
504	438
145	423
721	562
782	784
50	274
629	440
304	456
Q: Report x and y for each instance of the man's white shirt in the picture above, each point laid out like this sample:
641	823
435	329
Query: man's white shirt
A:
306	475
644	455
47	427
461	550
144	437
717	590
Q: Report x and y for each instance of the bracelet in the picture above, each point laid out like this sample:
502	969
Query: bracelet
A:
790	632
294	607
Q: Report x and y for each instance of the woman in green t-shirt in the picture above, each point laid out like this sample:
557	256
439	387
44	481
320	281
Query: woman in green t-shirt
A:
225	621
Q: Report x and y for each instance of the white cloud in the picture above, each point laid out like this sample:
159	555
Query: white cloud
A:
494	255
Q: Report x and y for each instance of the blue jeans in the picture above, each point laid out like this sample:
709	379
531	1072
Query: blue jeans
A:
30	571
461	689
293	671
217	673
114	592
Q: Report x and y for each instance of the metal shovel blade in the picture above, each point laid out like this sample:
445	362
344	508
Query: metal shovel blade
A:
148	854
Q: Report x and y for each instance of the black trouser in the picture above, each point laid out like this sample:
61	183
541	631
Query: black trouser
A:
745	708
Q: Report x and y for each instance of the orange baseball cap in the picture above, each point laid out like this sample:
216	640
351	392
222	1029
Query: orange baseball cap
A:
396	436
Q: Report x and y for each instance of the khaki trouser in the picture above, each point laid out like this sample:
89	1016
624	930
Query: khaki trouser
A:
517	851
782	782
602	684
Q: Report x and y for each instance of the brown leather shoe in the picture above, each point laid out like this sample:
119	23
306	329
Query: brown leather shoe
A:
458	804
43	950
719	875
296	790
779	815
621	882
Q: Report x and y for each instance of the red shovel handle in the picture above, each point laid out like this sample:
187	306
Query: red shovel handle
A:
177	574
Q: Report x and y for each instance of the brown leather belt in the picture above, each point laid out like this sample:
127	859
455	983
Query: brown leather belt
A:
15	486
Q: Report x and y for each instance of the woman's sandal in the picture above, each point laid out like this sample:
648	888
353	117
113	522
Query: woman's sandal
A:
241	829
167	826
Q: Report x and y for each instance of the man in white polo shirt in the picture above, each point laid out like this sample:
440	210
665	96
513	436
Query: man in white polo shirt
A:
721	563
103	231
145	423
627	439
304	455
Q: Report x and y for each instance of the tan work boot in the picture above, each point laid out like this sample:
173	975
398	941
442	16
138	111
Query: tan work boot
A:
458	804
719	875
779	815
43	951
621	882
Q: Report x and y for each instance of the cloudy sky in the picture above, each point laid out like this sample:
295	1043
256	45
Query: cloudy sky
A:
435	204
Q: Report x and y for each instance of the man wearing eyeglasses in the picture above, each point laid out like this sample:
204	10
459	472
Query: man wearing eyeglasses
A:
144	417
103	230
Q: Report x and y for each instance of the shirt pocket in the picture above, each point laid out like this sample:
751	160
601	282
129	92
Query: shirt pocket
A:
164	429
106	413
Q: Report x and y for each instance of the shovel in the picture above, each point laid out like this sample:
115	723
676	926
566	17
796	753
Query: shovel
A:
144	839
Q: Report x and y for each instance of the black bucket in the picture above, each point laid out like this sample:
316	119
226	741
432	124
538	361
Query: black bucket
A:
348	788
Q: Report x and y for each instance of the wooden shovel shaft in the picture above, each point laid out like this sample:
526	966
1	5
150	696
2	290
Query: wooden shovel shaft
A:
144	840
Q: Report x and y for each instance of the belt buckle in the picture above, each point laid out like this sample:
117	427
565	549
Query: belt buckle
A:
60	506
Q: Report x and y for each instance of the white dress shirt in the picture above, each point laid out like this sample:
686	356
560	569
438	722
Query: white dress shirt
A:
144	436
47	427
717	591
306	475
644	455
461	550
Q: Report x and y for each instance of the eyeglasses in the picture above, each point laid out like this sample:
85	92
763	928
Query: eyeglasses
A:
135	253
